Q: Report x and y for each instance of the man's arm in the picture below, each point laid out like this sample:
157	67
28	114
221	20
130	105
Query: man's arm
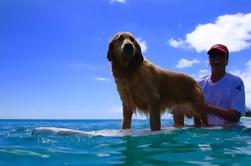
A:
230	115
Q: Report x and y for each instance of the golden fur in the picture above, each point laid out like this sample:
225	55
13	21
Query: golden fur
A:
146	88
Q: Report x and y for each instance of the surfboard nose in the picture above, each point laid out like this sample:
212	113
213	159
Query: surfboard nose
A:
54	130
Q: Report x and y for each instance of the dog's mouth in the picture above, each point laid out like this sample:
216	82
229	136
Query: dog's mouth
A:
127	50
126	56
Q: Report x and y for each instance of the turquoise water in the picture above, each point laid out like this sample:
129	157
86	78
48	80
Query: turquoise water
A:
101	142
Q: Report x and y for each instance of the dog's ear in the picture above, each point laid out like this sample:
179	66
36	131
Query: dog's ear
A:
109	53
138	56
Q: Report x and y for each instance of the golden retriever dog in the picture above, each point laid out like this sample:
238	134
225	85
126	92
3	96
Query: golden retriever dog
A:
150	90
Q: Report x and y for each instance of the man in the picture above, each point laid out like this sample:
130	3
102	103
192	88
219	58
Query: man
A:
224	92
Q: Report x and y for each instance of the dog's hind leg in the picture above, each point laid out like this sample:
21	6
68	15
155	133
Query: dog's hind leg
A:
127	116
178	117
200	118
155	123
203	116
155	120
197	120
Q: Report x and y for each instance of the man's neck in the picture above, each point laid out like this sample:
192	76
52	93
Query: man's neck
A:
217	75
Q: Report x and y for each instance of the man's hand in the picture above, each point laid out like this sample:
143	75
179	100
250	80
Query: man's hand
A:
230	114
203	107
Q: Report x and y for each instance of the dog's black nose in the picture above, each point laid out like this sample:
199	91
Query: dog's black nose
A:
128	47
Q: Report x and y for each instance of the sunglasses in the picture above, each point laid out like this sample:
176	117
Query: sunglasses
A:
217	55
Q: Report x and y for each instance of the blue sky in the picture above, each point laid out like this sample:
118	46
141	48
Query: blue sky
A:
53	52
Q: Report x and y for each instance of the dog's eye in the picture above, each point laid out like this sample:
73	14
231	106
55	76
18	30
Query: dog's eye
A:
131	38
121	37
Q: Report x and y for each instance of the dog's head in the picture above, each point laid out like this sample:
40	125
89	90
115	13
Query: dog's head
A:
124	50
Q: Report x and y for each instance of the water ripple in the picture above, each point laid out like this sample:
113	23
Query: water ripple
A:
24	152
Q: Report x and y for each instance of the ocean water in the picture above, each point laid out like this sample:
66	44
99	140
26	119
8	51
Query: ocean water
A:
101	142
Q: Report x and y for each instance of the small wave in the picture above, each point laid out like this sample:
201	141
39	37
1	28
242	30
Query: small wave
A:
24	152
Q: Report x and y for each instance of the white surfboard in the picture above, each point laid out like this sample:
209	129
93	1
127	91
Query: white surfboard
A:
105	133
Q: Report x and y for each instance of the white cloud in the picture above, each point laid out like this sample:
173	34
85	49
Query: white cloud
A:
142	44
203	72
177	43
117	1
231	30
183	63
101	79
246	77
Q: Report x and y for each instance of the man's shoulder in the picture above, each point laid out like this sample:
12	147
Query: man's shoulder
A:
235	82
233	78
203	79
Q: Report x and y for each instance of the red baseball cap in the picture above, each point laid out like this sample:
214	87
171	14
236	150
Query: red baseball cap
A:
218	47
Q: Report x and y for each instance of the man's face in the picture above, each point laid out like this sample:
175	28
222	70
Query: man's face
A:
218	61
